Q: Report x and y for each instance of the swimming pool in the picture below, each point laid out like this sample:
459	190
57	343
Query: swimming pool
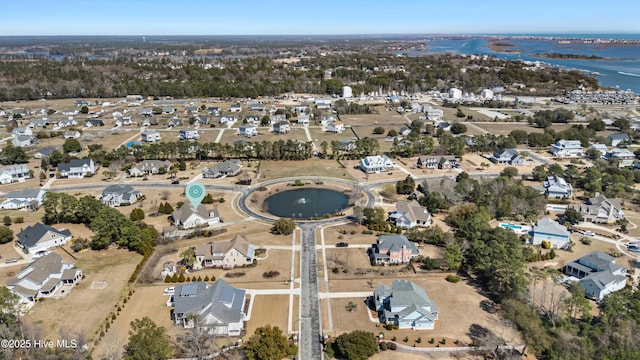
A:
518	229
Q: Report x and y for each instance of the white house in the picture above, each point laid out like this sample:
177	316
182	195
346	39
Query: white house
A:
235	108
336	127
43	278
566	148
599	209
23	140
375	164
248	130
40	238
556	187
11	173
77	168
281	127
455	93
228	120
219	308
552	232
509	156
303	119
150	136
617	139
30	198
73	134
434	114
598	274
226	168
186	217
189	134
405	304
119	195
624	157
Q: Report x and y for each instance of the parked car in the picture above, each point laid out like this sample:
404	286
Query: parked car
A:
342	244
170	290
11	260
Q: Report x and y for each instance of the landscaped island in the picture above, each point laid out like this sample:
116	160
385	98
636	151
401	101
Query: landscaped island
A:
570	56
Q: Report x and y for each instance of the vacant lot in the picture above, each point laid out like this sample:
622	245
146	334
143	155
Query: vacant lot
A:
269	309
231	135
270	170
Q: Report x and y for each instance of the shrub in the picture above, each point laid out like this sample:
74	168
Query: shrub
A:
18	220
453	278
419	340
393	338
406	339
270	274
392	346
431	341
585	241
545	244
443	341
383	346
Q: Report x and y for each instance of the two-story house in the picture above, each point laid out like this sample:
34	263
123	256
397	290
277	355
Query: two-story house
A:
77	168
188	217
598	274
225	254
393	249
119	195
189	134
375	164
150	136
556	187
508	156
405	304
566	148
248	130
410	214
39	238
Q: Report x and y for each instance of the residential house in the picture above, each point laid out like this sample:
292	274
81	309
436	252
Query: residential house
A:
93	122
74	134
393	249
11	173
428	162
375	164
200	120
602	148
168	109
566	148
149	167
276	118
44	152
235	108
404	131
248	130
150	136
187	217
24	131
224	254
43	278
623	157
191	109
81	103
598	274
303	119
77	168
119	195
252	120
599	209
214	110
346	144
434	114
30	199
225	168
508	156
219	308
444	126
40	238
617	139
552	232
39	123
281	127
447	162
405	304
23	140
123	121
256	107
189	134
336	127
556	187
228	120
410	214
173	122
67	122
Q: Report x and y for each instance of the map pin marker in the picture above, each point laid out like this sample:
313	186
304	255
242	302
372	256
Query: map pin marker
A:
195	193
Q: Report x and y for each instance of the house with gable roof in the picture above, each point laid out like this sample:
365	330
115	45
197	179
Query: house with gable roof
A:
224	254
187	217
566	148
119	195
226	168
556	187
410	214
598	274
77	168
150	136
281	127
149	167
218	308
248	130
30	198
375	164
405	304
11	173
393	249
551	231
43	278
617	139
599	209
623	157
509	156
39	238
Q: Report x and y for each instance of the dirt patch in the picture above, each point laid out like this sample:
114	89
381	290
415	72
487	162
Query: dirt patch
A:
269	309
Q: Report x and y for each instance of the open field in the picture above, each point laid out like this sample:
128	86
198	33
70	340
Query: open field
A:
231	135
269	309
382	118
270	170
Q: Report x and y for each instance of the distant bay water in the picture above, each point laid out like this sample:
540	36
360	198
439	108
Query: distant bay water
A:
622	71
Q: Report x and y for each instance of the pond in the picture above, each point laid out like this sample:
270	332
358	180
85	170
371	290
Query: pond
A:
306	203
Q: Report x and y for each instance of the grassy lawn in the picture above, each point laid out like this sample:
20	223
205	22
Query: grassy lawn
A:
270	170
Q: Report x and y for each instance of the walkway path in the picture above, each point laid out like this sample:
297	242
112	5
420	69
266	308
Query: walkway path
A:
217	140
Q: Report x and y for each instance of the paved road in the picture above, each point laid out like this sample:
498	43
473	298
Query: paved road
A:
539	158
310	345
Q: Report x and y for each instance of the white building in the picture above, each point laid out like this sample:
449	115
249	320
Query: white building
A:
189	134
77	168
248	130
347	92
150	136
39	238
486	94
455	93
566	148
375	164
336	127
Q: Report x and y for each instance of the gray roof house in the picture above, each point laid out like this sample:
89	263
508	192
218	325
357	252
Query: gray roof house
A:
225	168
44	152
599	209
24	140
39	238
43	278
30	198
219	307
77	168
410	214
149	167
119	195
509	156
556	187
393	249
375	163
552	232
224	254
617	139
186	217
150	136
598	274
405	304
281	127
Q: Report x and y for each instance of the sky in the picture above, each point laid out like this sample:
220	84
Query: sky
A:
326	17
